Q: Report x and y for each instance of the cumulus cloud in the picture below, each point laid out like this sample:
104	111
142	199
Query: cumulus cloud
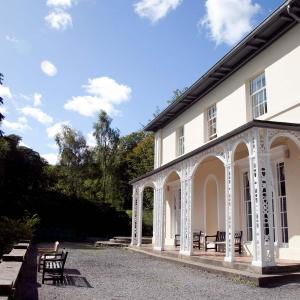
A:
5	92
56	128
59	3
36	114
154	10
19	125
229	20
91	140
48	68
11	39
58	19
104	94
37	99
52	158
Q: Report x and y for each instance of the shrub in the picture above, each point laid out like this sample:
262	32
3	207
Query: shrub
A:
12	230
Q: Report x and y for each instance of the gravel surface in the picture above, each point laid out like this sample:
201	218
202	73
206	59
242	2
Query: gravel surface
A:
120	274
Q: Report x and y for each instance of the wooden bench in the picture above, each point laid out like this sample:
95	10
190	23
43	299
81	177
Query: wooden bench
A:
196	239
219	241
54	265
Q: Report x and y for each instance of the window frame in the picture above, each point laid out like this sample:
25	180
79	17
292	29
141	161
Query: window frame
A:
258	107
211	122
180	141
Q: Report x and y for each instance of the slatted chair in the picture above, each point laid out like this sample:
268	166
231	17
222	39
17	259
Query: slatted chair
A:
238	241
54	265
48	251
177	240
214	241
197	239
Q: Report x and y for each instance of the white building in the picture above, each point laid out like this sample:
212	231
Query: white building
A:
227	152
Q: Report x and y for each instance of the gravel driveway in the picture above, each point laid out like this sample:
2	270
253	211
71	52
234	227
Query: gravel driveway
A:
120	274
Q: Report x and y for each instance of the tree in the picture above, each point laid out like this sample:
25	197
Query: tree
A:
176	94
107	139
74	155
1	102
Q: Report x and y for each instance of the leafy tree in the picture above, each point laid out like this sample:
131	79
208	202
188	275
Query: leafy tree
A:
107	139
1	102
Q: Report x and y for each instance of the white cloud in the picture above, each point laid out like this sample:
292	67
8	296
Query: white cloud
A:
20	125
11	39
58	19
56	128
3	110
229	20
48	68
59	3
5	92
154	10
37	99
36	114
23	144
91	140
52	158
104	93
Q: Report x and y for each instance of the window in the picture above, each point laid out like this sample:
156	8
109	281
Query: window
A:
212	122
248	207
258	96
181	141
282	202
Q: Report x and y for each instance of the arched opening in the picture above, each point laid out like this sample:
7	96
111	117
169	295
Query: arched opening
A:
211	205
285	162
244	211
209	196
147	227
172	197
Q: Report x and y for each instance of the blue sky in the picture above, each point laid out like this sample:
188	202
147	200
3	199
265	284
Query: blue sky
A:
63	60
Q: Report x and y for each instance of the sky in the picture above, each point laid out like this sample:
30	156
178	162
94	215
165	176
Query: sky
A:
64	60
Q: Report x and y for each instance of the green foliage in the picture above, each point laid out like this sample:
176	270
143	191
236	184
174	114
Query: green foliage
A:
176	94
13	230
1	102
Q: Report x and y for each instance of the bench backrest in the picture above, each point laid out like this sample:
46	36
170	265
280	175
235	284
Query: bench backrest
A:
238	237
221	236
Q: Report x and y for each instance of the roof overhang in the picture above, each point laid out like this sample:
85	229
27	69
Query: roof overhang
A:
239	130
273	27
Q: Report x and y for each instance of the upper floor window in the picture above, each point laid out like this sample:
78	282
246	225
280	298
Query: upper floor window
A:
258	96
212	122
181	141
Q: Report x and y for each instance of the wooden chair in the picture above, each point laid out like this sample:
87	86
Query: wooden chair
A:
197	239
177	240
216	240
238	241
54	265
48	251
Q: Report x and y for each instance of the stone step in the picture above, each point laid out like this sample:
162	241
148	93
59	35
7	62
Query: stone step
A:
108	244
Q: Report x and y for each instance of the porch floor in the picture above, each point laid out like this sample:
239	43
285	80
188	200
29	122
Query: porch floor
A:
241	268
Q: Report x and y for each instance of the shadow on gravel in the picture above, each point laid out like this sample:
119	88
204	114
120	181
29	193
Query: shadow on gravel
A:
74	281
72	272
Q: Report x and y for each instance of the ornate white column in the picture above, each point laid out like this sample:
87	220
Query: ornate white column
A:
261	195
229	206
159	217
186	235
140	217
134	233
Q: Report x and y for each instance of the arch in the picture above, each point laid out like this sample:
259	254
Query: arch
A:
148	184
169	174
287	135
211	177
237	143
215	155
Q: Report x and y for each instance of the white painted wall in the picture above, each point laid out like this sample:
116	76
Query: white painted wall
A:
281	63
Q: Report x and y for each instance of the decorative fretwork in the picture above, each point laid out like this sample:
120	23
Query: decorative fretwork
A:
134	237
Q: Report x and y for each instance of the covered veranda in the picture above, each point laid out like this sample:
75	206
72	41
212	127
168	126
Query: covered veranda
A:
244	182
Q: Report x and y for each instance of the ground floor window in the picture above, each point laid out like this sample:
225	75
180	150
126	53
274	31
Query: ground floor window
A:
248	207
281	190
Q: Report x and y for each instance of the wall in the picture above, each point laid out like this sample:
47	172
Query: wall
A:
281	62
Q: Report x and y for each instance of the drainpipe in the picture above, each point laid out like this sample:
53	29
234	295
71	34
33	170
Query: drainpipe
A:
289	10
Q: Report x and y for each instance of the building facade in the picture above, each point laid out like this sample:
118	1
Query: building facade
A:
227	152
